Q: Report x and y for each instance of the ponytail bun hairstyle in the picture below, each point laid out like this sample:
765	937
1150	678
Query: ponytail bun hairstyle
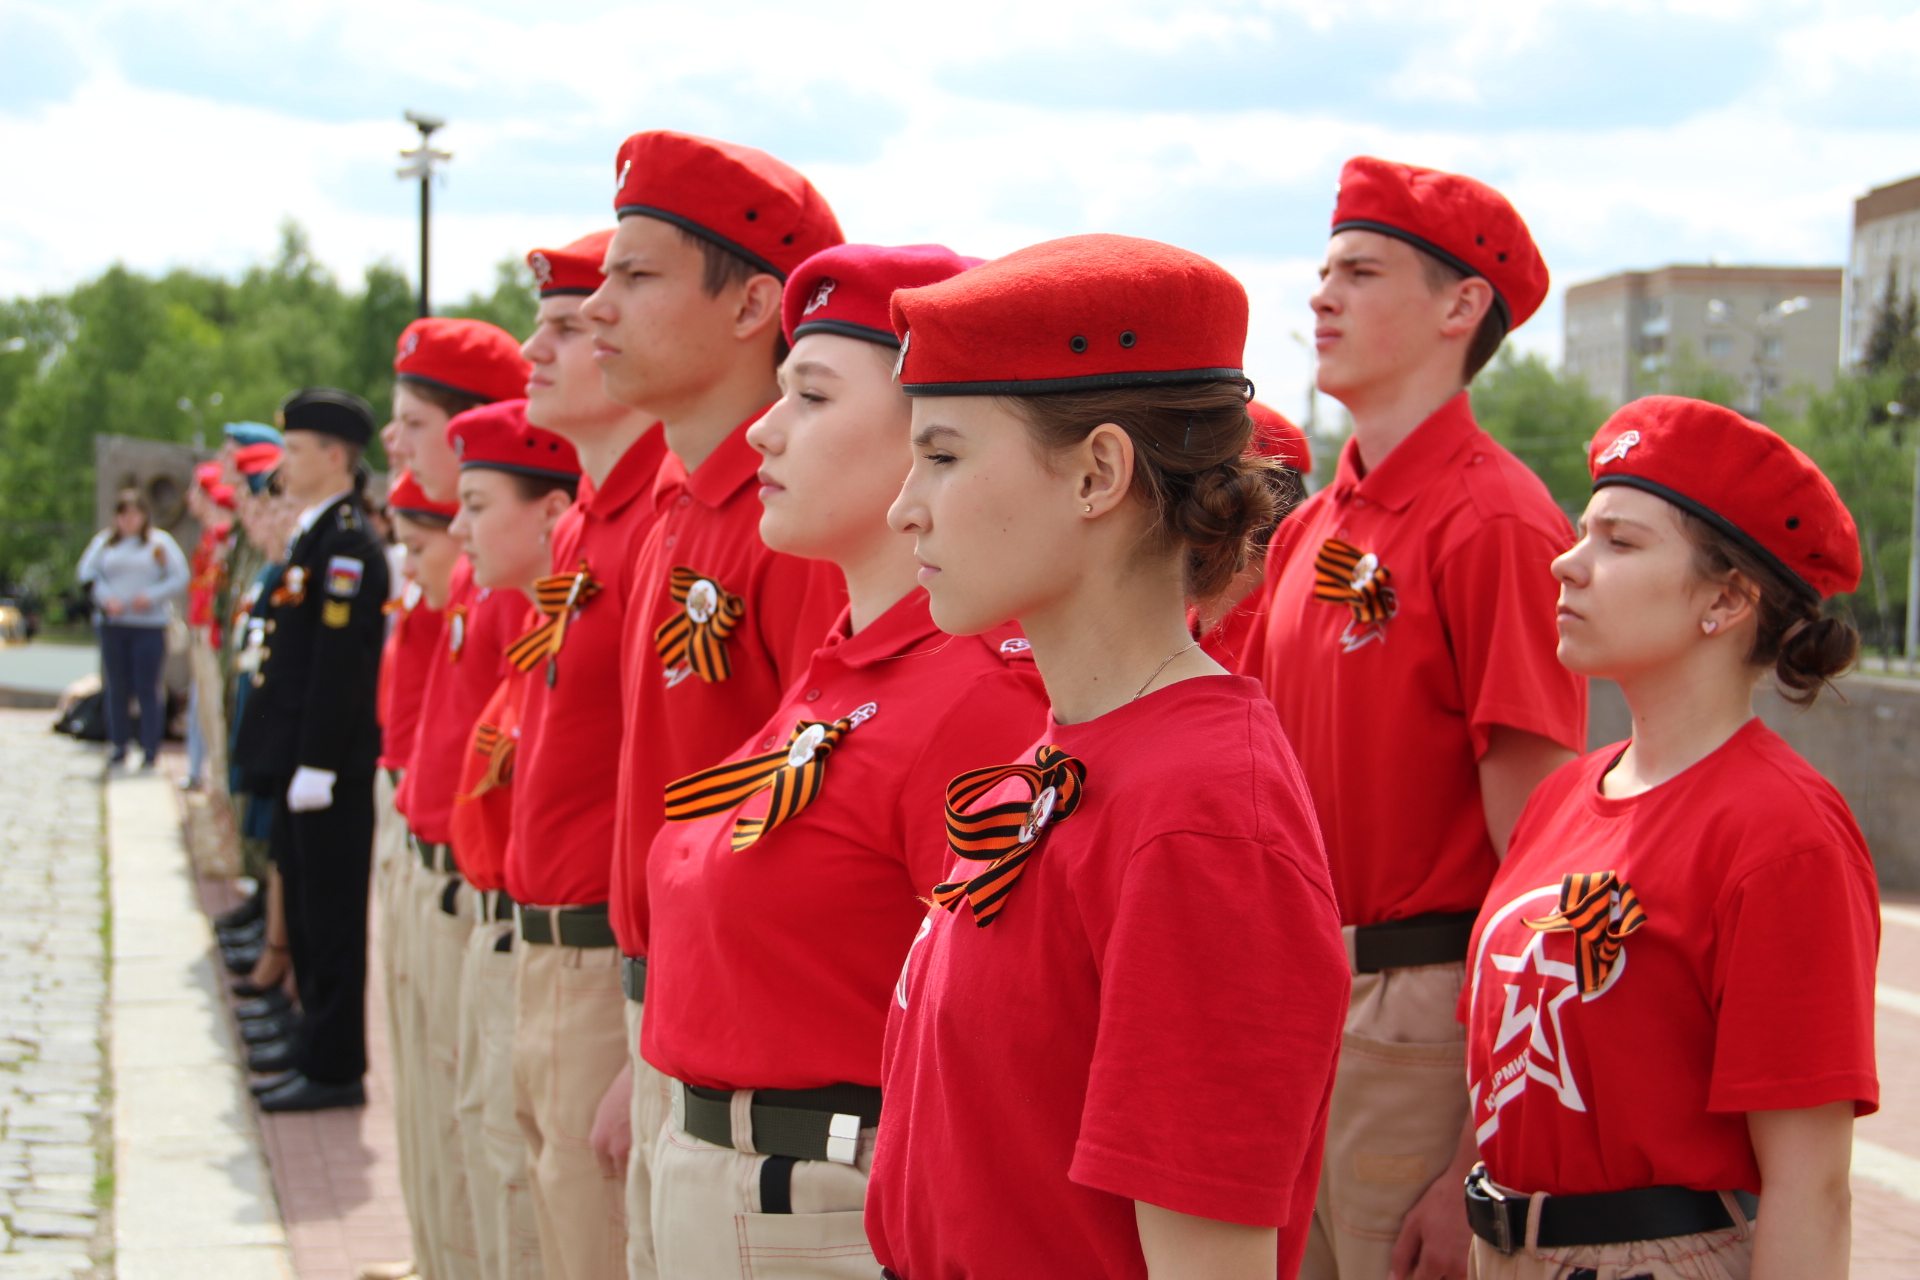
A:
1191	466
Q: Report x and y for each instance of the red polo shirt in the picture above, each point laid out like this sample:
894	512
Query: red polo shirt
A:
799	937
677	722
479	625
1390	716
568	772
1153	1015
413	642
1749	985
482	819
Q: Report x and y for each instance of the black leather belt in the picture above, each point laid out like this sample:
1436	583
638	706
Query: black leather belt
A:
437	858
1609	1217
633	978
495	904
565	926
798	1124
1439	938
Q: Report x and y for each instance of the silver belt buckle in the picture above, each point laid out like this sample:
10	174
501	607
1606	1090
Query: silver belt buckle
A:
1502	1225
843	1138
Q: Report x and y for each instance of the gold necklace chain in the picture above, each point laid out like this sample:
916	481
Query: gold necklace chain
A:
1162	667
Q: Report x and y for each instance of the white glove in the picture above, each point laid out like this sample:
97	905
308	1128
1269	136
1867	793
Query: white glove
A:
310	789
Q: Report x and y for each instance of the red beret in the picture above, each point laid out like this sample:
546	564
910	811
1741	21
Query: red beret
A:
741	199
469	356
1079	314
1274	436
1739	477
406	497
1464	223
208	474
574	269
221	495
499	436
252	459
846	289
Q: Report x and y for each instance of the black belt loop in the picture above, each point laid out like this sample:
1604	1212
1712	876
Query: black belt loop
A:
633	980
585	927
437	858
1441	937
1610	1217
776	1184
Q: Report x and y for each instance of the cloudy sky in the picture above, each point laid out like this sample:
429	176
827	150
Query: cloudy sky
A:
1630	134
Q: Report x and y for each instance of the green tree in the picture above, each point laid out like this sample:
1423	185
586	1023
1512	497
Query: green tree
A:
1544	418
512	305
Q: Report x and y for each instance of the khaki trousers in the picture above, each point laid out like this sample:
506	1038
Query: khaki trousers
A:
1713	1255
507	1231
1399	1104
442	952
707	1219
650	1106
396	882
569	1042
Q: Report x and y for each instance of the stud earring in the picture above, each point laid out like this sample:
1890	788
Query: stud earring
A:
1707	625
1089	508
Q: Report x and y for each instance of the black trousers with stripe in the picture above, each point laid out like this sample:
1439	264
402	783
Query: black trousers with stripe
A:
326	865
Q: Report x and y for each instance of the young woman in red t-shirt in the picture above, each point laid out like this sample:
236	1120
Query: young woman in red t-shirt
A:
1670	1006
1112	1043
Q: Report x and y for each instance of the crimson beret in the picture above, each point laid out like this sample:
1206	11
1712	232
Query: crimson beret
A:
1742	479
256	459
406	497
847	289
208	474
1463	222
574	269
1275	436
499	437
468	356
1079	314
737	197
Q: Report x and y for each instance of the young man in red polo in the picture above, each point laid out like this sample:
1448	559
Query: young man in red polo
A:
1409	649
687	329
564	984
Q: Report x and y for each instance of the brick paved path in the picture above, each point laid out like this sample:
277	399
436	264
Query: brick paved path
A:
53	990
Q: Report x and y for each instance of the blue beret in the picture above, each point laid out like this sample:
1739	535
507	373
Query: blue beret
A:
253	433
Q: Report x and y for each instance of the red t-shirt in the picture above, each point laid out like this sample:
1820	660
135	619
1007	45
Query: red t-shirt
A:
477	628
1390	714
1748	988
677	721
413	642
1153	1015
207	571
800	935
482	820
569	766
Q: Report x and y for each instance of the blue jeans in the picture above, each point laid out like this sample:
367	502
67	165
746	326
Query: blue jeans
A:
130	661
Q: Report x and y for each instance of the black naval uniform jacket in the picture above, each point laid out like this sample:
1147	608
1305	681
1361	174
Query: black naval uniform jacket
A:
313	704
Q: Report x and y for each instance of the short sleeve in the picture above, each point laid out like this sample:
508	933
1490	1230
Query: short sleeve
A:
1498	599
1001	714
1793	985
1223	992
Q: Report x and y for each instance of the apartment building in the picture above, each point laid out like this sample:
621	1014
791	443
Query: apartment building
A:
1886	243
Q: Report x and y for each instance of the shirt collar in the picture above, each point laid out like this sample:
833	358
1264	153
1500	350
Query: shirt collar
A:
624	483
728	467
313	513
902	628
1414	463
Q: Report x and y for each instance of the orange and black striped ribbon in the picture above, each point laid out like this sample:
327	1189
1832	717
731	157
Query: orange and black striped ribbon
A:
292	588
793	786
1600	910
1004	835
1344	574
499	749
701	643
456	631
558	597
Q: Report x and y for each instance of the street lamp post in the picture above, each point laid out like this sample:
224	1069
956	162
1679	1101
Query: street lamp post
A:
1898	410
1719	313
421	163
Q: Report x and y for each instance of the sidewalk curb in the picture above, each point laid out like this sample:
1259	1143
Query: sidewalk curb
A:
192	1195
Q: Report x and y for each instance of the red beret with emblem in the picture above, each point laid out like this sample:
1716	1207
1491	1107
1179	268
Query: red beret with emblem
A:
1275	436
469	356
208	474
572	270
499	437
739	198
406	497
1079	314
847	289
1461	221
1740	478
